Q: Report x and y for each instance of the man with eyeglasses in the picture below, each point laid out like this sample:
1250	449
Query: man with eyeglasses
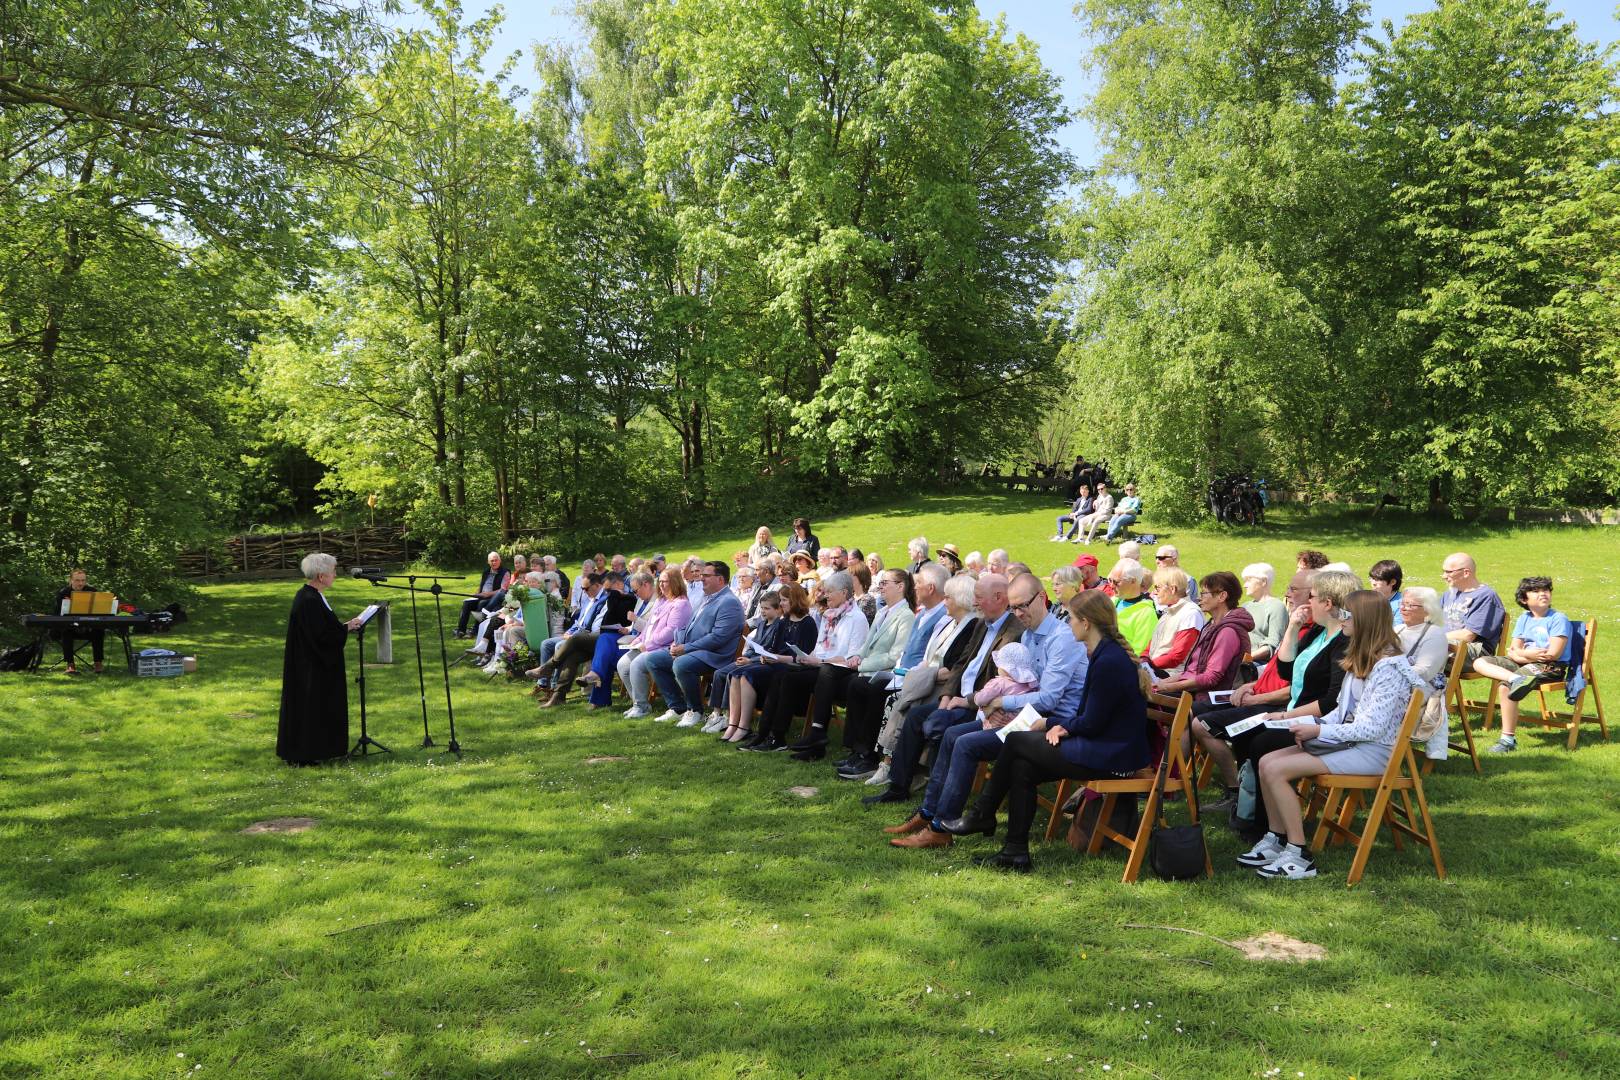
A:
1060	664
1474	612
706	643
1170	555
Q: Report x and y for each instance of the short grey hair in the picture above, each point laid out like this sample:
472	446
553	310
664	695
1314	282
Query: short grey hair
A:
839	581
551	581
1066	575
549	561
534	577
935	574
691	561
998	555
1430	601
640	577
974	560
1131	570
918	543
1260	570
492	555
959	590
317	563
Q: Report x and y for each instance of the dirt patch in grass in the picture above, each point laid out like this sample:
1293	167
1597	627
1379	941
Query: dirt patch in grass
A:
281	825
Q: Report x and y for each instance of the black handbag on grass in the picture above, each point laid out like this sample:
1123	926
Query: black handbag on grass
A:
1177	853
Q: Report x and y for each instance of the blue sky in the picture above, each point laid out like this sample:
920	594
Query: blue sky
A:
1049	23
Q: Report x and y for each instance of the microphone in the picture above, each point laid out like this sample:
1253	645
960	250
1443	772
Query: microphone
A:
371	573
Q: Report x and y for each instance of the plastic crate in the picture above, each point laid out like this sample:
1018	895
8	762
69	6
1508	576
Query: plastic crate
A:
158	667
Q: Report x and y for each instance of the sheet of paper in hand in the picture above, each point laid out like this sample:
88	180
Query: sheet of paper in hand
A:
1026	720
1238	727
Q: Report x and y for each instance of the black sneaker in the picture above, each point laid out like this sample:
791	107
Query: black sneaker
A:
764	746
1520	688
809	753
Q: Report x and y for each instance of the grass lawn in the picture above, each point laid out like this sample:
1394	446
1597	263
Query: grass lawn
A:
678	912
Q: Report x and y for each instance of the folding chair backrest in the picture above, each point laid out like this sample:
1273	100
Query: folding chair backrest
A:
1174	713
537	613
1403	741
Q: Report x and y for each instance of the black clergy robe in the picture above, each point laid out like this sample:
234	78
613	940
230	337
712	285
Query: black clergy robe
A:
314	689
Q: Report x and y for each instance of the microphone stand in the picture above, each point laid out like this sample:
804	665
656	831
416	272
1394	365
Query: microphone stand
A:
363	747
436	590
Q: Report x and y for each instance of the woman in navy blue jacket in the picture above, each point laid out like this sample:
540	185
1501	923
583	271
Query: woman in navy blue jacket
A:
1108	737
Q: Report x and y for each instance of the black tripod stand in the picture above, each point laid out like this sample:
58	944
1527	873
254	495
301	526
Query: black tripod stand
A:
377	578
363	747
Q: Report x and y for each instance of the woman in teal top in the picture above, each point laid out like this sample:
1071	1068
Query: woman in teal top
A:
1124	514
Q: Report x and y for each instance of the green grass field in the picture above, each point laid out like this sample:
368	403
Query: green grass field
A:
678	912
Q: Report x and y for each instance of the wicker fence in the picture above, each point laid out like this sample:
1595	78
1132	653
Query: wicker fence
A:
253	556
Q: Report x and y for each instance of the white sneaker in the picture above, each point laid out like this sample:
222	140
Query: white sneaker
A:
715	724
1292	864
1270	846
691	718
881	777
666	717
637	712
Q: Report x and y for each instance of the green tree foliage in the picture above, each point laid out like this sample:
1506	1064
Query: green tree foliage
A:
155	166
1491	126
1407	288
881	270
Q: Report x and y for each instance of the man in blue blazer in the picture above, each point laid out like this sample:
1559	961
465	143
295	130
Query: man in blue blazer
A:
706	643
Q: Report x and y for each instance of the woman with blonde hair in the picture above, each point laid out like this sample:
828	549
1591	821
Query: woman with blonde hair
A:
763	546
1356	737
672	614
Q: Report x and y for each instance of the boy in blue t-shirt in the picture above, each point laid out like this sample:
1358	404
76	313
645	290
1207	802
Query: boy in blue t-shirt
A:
1540	653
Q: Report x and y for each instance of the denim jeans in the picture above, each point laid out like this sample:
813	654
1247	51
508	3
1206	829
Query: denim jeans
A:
677	678
924	723
1118	524
960	752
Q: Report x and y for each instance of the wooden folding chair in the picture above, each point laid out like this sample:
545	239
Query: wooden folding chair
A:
1151	783
1486	706
1571	720
1456	706
1339	796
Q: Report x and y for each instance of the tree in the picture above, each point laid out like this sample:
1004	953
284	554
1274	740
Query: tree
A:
1491	126
155	162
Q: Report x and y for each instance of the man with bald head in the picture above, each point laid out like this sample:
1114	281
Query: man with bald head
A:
928	723
1474	613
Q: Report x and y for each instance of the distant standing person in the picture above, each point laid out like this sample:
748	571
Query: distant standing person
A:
314	688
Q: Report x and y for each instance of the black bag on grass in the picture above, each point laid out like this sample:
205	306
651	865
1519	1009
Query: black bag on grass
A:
1177	853
21	657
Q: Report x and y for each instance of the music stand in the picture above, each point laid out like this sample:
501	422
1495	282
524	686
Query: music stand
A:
363	747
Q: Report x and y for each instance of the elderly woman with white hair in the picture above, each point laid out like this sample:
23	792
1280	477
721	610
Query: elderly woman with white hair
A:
1422	632
822	672
1270	614
314	722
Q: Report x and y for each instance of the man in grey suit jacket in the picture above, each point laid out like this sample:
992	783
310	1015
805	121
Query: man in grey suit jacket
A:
706	643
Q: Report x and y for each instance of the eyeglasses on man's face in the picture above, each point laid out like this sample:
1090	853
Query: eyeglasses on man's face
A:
1021	608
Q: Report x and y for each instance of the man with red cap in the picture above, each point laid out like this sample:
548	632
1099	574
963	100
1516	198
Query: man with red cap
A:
1089	579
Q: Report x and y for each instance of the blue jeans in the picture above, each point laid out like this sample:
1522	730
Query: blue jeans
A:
548	649
1118	524
960	752
924	723
1070	519
677	678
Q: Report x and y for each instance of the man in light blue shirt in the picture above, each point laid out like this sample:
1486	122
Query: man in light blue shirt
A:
1060	670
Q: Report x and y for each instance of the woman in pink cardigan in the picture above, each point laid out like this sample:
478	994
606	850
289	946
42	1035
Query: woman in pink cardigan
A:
673	613
1217	655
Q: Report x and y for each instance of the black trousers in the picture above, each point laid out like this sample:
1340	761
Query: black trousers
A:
794	686
1026	762
98	645
864	699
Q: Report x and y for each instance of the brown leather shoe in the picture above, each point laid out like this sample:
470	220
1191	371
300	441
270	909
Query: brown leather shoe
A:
927	838
556	698
908	826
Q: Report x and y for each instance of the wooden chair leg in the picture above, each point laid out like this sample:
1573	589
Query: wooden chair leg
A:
1058	800
1375	819
1323	826
1428	829
1105	814
1144	829
1597	705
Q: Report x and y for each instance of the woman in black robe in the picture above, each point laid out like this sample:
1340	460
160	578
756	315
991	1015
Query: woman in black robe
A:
314	688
